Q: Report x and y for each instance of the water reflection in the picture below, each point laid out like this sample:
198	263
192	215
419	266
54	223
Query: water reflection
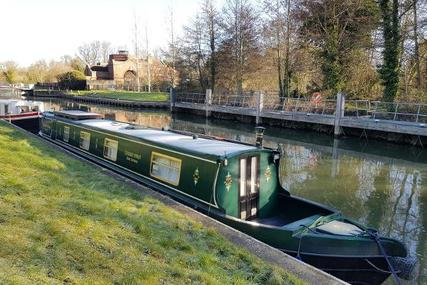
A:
379	184
6	93
154	118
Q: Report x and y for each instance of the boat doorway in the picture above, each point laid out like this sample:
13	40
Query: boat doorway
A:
249	187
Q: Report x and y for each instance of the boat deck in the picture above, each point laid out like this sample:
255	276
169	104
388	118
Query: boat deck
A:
290	222
277	221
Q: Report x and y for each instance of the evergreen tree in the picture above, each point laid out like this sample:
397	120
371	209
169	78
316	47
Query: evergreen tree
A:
389	70
336	28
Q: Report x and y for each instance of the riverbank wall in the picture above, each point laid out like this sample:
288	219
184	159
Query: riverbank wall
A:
363	134
404	123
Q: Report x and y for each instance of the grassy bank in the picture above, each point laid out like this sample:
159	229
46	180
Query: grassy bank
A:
64	222
124	95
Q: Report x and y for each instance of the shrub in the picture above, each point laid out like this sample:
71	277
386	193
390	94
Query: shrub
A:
72	80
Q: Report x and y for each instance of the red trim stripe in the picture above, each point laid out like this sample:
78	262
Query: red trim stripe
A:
21	116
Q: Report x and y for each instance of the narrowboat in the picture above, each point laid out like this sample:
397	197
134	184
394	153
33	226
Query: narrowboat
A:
25	114
237	184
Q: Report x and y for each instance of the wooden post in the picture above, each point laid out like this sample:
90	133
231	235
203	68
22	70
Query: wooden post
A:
339	113
208	102
259	106
171	99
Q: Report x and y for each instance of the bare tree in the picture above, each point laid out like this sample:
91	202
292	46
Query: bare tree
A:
211	18
95	52
172	47
105	51
195	49
148	60
278	25
240	38
37	71
306	46
136	51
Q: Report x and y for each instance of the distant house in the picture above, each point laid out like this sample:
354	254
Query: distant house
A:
121	73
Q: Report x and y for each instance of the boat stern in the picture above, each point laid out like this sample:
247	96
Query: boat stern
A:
382	255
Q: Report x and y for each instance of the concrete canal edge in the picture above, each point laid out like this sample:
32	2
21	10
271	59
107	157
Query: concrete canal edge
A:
303	271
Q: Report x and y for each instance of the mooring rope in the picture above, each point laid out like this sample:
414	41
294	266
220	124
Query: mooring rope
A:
374	234
376	267
300	239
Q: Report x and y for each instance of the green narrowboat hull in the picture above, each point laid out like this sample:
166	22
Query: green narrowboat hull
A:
356	259
239	187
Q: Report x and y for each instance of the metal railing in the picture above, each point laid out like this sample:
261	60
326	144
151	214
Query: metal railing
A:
247	100
270	102
357	108
391	111
192	98
400	111
299	105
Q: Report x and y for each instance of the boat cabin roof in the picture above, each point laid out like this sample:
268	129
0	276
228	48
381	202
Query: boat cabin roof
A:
186	143
77	115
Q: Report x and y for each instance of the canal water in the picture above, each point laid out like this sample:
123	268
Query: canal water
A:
379	184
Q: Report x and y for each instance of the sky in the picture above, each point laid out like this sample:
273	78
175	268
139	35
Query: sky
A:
32	30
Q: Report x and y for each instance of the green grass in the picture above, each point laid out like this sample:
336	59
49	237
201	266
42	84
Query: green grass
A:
63	221
124	95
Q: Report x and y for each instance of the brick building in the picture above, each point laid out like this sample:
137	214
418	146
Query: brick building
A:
121	72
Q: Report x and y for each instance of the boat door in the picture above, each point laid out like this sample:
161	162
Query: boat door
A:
249	187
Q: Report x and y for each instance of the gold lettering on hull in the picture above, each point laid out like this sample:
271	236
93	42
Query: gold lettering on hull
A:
132	157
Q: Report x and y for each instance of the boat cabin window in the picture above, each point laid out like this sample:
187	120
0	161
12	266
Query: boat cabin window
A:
47	127
110	149
66	135
165	168
84	140
6	109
